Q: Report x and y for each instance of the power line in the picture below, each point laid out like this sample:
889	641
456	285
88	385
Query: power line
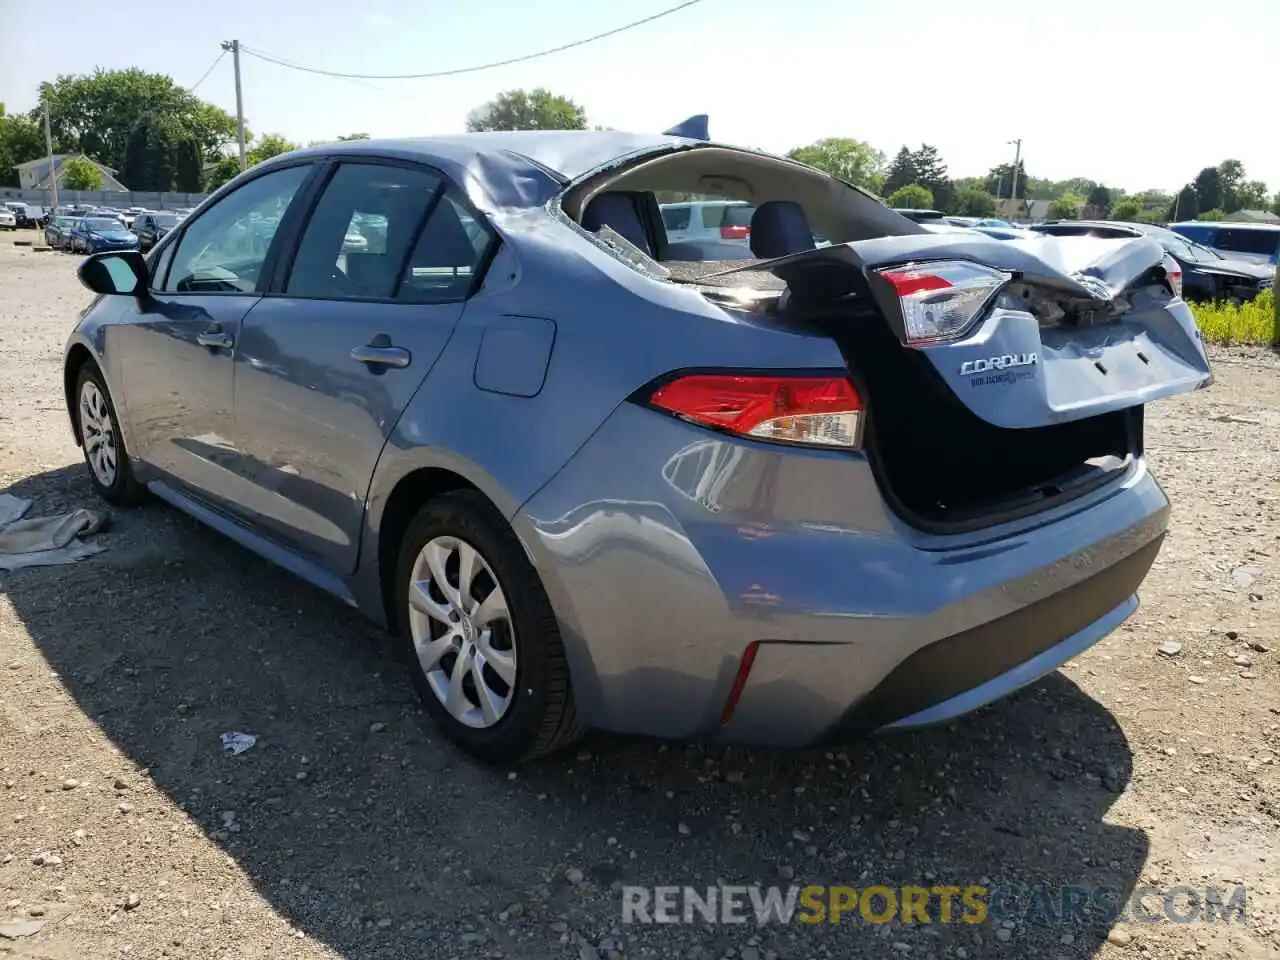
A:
205	76
478	67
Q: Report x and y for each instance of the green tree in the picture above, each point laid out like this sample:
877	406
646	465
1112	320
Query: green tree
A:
270	145
931	173
1275	208
1212	215
1251	196
95	114
1231	174
1099	197
188	168
999	181
973	201
537	109
1208	187
149	156
911	197
21	139
224	169
1066	207
1185	205
853	161
902	171
78	173
1126	209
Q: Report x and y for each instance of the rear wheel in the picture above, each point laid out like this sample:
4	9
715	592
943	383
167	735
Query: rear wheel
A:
483	642
104	451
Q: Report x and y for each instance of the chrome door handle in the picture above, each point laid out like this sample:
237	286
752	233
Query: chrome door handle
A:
215	339
382	356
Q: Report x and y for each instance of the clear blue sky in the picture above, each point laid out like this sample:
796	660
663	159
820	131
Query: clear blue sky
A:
1125	91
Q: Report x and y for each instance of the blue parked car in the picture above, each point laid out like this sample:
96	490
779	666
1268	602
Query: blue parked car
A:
96	234
590	478
1254	242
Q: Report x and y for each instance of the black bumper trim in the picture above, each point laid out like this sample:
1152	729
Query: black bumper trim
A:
956	664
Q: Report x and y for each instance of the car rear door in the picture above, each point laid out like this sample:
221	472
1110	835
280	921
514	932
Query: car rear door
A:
174	349
325	366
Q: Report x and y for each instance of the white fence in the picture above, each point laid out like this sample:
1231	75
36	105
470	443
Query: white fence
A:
133	198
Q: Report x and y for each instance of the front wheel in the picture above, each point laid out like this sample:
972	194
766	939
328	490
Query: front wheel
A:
482	638
105	455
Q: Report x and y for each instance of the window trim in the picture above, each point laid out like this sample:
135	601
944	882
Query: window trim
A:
329	165
288	225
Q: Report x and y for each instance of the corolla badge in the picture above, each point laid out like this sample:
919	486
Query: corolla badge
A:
1005	361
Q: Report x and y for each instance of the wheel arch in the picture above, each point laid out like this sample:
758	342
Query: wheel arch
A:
78	354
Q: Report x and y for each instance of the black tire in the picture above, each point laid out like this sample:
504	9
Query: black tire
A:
541	718
124	489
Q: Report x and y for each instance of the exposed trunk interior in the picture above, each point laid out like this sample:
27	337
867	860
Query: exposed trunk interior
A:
942	467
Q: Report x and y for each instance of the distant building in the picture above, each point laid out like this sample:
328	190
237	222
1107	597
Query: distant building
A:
35	174
1253	216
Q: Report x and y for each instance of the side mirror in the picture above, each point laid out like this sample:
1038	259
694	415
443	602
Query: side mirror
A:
122	273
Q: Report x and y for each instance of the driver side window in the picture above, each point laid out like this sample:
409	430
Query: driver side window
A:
224	249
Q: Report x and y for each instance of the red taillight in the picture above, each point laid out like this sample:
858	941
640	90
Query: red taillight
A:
739	682
1173	274
734	233
907	282
790	409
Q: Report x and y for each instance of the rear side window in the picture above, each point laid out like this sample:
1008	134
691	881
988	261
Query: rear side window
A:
360	232
448	256
1259	242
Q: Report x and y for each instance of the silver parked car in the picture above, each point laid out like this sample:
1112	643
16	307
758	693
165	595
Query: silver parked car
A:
591	482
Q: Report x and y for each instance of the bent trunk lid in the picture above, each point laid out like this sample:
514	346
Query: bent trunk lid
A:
1128	344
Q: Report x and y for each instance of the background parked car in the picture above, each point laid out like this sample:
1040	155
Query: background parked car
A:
7	220
1206	274
699	220
96	234
151	226
57	233
25	216
1258	242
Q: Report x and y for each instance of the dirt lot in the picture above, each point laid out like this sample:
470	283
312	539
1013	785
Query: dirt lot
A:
352	830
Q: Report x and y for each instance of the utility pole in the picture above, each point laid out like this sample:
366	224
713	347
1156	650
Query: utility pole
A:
48	143
1017	162
234	47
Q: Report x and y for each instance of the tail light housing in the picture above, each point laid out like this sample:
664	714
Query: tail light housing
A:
941	301
1173	274
817	410
729	232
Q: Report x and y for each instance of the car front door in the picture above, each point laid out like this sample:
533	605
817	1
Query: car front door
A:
175	352
324	367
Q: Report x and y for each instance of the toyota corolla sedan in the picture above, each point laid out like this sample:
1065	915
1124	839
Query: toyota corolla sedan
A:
591	477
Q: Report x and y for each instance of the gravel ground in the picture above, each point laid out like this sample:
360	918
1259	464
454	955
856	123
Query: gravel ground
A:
352	830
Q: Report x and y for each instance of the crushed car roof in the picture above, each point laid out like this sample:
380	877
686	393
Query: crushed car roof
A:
508	169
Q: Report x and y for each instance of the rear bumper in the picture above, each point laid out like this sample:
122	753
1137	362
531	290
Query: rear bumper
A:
947	678
705	547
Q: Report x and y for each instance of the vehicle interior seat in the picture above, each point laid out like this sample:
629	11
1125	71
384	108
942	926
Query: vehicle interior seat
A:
780	228
617	210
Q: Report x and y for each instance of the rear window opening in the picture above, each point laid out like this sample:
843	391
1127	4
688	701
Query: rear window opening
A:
704	204
944	469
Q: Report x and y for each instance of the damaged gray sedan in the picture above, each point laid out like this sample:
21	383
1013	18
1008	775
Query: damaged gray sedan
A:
775	493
